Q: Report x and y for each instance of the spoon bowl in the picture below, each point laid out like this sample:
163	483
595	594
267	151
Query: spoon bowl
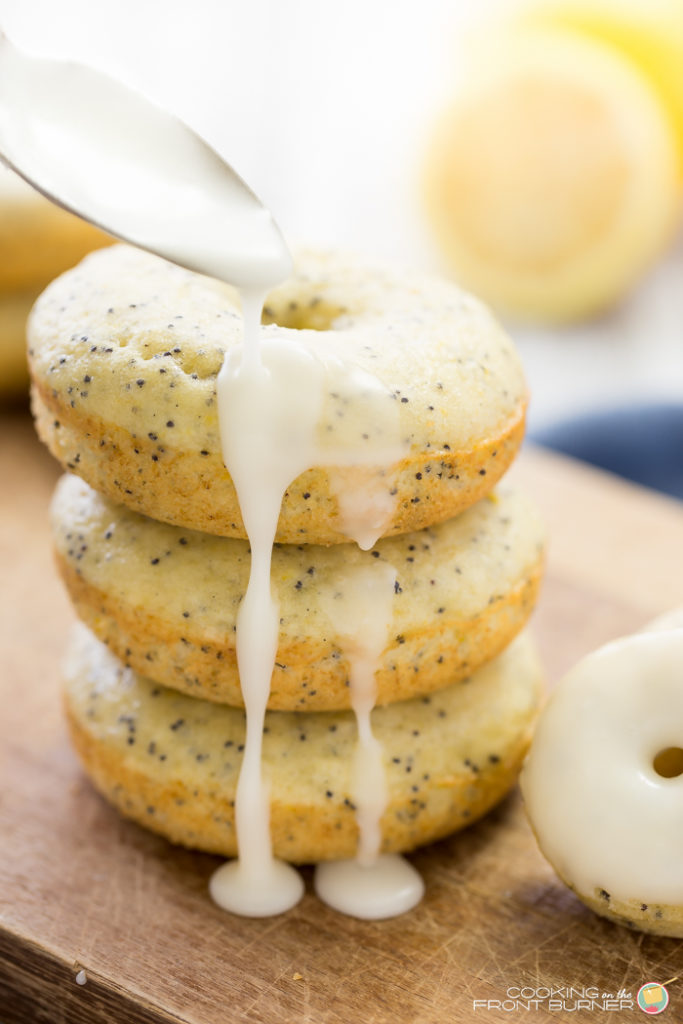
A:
105	152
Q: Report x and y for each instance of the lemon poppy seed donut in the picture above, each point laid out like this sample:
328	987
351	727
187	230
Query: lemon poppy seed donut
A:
603	782
125	349
165	599
170	762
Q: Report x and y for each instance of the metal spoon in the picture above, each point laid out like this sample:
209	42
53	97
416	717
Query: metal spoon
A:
108	154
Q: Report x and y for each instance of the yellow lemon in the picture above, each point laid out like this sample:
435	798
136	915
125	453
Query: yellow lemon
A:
552	181
648	32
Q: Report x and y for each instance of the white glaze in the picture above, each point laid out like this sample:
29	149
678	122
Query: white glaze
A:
365	500
264	889
602	814
372	886
360	613
264	448
386	888
276	400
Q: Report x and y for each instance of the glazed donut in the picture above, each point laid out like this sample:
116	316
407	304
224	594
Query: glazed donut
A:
170	762
603	782
124	352
165	599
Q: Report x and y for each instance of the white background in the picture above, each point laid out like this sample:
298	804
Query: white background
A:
324	109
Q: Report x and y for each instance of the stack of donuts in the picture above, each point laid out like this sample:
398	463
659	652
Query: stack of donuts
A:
124	352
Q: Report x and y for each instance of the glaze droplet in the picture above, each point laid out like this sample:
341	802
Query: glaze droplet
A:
386	888
256	894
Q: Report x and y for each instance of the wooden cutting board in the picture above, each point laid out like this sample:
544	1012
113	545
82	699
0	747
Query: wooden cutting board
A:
82	890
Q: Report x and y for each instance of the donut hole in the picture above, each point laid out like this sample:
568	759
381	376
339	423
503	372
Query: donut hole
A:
669	762
308	314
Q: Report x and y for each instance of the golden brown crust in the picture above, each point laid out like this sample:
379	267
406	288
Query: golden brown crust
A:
165	600
125	352
307	676
300	834
471	741
655	918
194	489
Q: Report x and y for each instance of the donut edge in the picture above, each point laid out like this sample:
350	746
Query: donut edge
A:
653	918
201	668
199	812
300	834
194	490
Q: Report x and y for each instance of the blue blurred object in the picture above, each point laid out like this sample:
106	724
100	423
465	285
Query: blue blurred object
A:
643	443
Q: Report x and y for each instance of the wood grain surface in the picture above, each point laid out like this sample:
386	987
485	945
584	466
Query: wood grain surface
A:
80	889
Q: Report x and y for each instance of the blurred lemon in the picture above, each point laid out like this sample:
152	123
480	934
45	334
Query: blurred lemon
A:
552	181
38	241
648	32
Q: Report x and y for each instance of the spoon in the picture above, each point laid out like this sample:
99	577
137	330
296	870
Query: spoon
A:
105	152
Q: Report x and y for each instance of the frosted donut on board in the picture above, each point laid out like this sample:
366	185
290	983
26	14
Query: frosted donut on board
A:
603	781
125	350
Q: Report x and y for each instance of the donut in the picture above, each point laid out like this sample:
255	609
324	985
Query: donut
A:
165	599
124	351
551	182
38	240
170	762
603	782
